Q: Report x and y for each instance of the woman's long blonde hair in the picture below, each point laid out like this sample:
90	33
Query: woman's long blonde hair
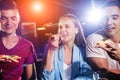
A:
79	38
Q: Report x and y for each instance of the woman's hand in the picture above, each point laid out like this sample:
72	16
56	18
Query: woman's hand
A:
53	44
54	41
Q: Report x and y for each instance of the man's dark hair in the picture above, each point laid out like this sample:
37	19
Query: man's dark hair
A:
7	4
112	3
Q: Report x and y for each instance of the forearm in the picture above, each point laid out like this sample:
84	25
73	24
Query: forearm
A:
114	71
107	70
52	45
49	60
29	71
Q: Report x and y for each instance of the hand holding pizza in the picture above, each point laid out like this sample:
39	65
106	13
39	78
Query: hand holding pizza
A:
9	58
102	43
110	47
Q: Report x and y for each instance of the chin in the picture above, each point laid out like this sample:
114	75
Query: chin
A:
9	32
110	34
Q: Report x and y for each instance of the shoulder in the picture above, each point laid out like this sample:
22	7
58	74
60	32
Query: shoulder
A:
92	40
24	41
97	36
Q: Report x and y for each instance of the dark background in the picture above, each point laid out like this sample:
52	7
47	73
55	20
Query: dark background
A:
51	11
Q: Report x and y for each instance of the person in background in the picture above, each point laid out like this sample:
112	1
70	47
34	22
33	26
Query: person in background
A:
64	53
14	50
103	47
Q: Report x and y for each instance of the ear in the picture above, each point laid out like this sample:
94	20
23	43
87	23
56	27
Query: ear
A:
18	19
18	16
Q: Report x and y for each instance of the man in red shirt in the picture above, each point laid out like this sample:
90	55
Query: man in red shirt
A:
14	50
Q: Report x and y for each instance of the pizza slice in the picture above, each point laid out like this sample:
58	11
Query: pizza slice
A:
102	43
10	57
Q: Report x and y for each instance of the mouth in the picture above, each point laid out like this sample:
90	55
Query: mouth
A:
64	34
109	29
8	26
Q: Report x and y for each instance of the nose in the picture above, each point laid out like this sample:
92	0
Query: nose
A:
8	21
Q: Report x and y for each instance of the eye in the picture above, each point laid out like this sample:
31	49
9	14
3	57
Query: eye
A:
3	18
14	18
67	26
60	27
115	17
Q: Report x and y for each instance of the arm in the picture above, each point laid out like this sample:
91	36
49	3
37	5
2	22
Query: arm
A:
49	60
102	64
97	63
50	50
97	57
48	72
29	71
111	48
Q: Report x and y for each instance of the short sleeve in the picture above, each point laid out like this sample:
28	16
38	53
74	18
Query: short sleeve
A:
31	58
91	51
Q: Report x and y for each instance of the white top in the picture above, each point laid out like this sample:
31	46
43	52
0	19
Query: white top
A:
91	51
67	71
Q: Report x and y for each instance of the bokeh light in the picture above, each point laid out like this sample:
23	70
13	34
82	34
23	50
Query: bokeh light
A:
94	15
37	6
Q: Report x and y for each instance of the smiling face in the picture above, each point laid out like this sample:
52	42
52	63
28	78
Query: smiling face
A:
9	20
67	29
112	20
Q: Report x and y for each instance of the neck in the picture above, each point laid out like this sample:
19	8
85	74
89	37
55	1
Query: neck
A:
9	36
68	46
115	39
3	34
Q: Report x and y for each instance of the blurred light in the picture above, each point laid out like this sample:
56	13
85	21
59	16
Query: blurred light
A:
47	24
42	28
94	16
37	6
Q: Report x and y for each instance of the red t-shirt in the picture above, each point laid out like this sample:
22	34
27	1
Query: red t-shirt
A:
13	70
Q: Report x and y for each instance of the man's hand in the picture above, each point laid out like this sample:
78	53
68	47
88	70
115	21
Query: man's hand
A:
110	47
9	58
102	43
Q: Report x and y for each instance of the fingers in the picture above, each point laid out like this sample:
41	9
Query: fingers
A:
5	60
10	58
54	40
100	44
58	30
13	59
111	45
107	45
17	57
